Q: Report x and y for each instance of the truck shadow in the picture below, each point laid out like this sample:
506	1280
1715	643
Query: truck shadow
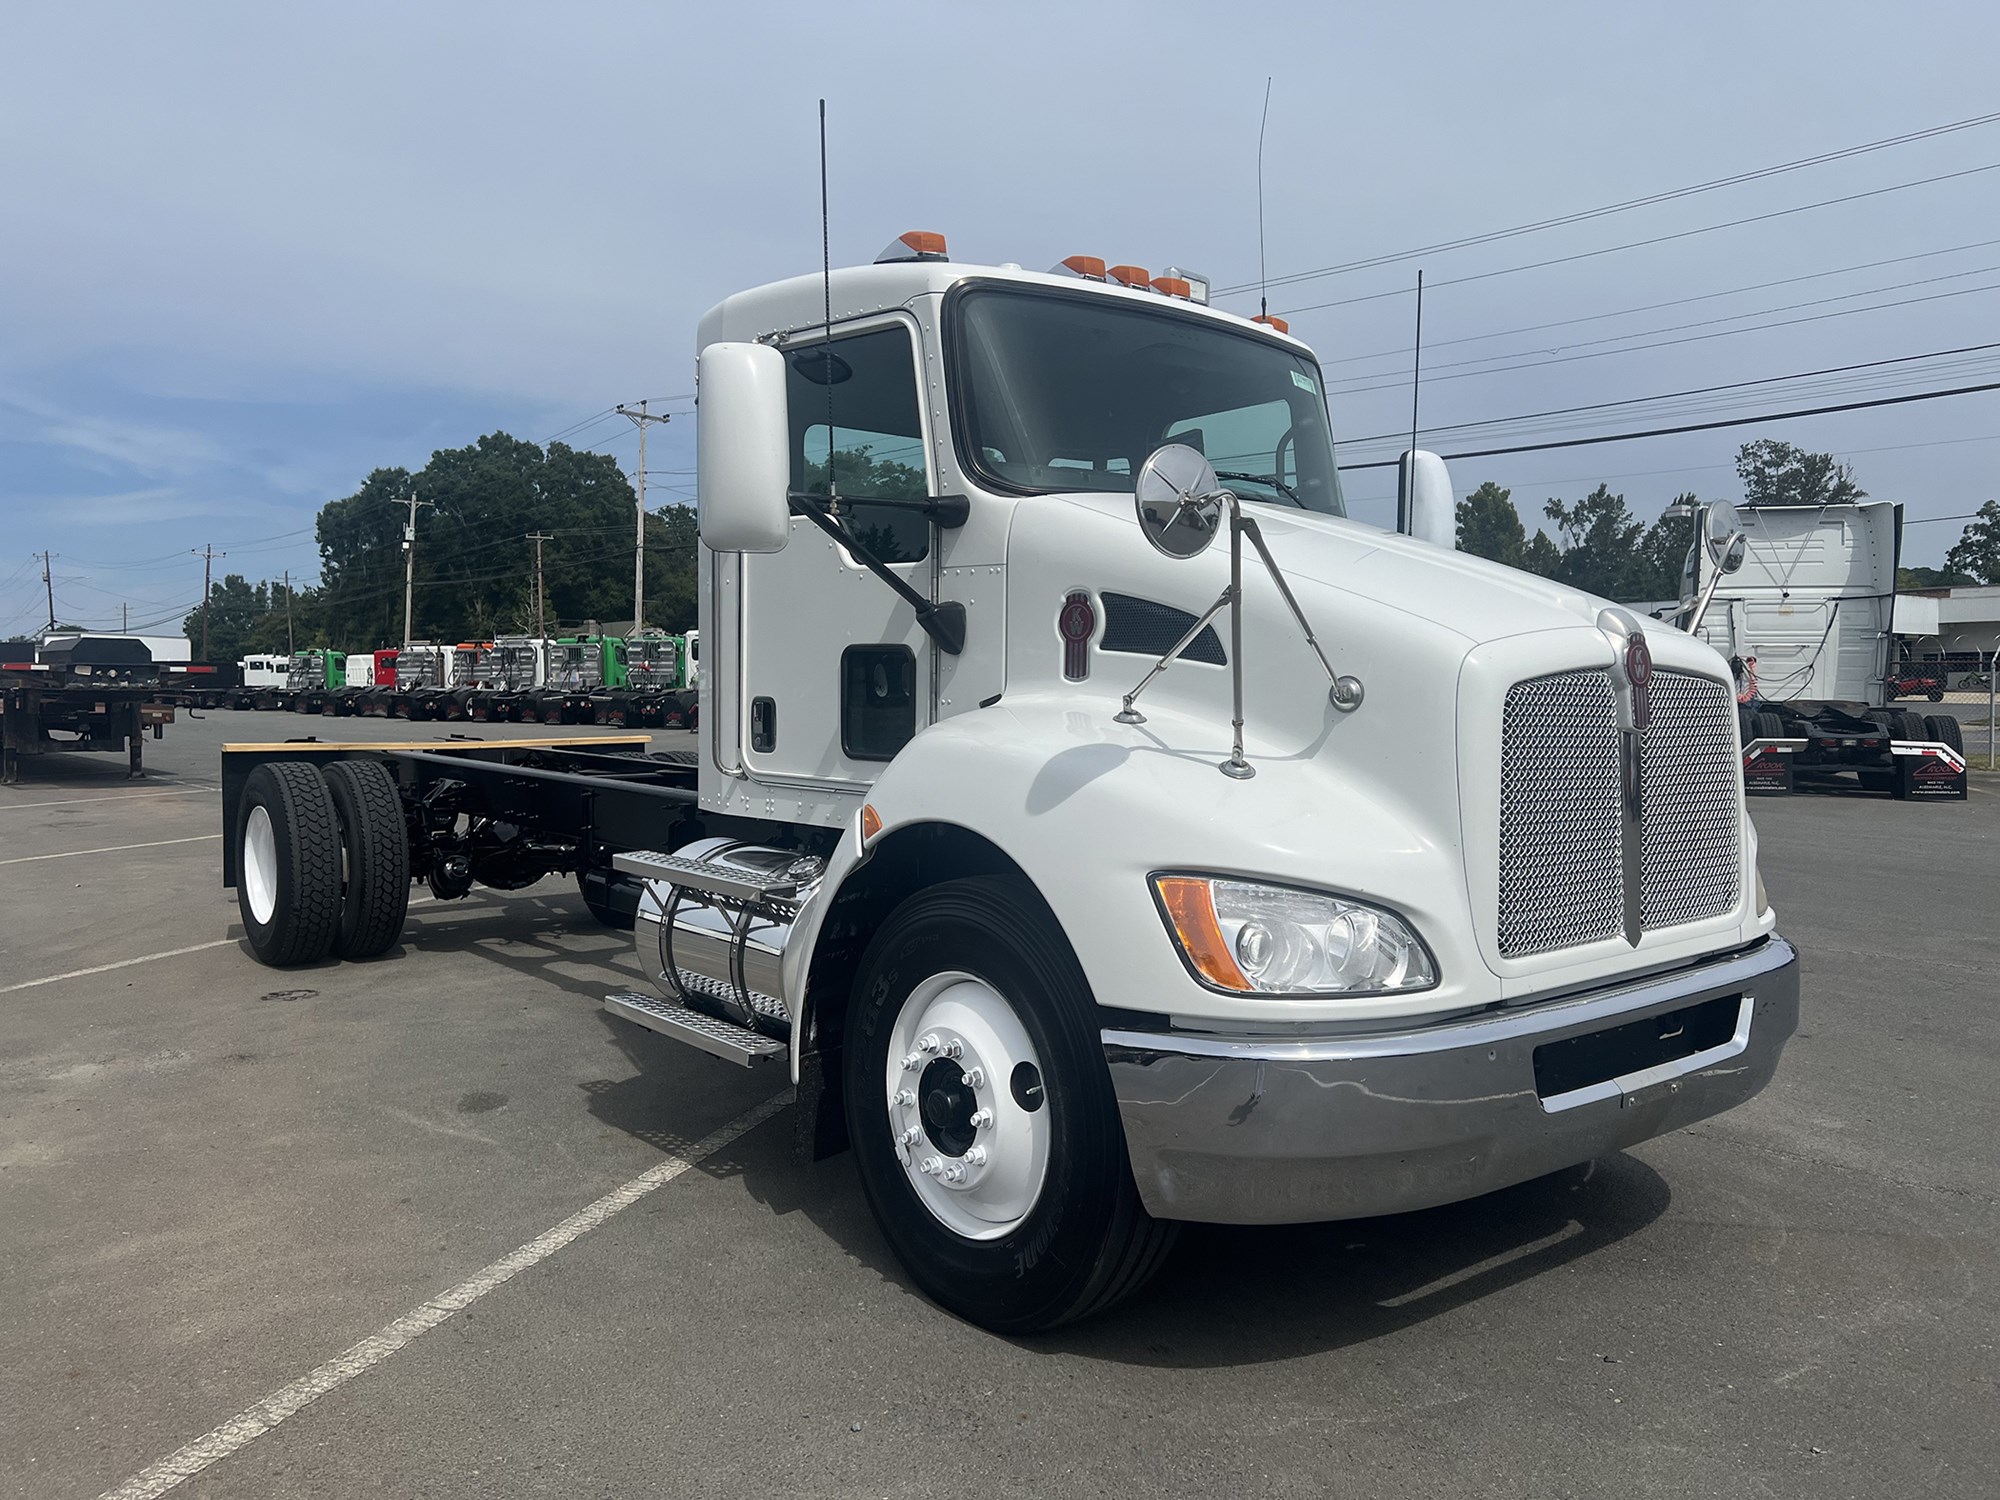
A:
1233	1295
1228	1295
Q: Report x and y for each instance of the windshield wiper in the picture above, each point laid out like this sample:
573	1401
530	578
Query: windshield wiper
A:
1270	480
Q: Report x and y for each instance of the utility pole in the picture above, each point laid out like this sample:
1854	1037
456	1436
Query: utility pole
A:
410	562
208	555
537	537
640	419
288	611
48	582
124	619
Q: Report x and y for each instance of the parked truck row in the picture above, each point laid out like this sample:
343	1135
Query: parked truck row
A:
639	681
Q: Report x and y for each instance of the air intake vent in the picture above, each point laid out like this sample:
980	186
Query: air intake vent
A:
1146	627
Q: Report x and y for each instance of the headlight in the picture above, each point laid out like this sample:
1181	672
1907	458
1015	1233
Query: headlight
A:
1253	939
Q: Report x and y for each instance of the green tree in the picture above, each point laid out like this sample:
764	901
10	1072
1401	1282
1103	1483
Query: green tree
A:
475	570
1599	539
1775	473
1541	556
1489	525
1661	557
1976	553
1931	578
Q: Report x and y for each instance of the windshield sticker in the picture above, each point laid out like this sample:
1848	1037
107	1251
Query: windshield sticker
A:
1304	383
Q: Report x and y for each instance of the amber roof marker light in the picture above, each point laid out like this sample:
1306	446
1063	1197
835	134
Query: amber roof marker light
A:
1089	267
913	244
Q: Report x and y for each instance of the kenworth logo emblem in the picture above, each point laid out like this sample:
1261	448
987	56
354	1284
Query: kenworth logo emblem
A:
1639	673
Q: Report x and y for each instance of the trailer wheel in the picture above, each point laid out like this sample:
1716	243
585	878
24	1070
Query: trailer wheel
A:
375	857
288	864
982	1118
1906	726
1946	730
1768	726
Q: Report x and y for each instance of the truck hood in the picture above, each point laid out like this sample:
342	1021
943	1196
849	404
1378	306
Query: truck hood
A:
1468	596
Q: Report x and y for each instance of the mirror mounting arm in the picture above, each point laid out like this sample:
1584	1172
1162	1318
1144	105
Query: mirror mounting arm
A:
943	623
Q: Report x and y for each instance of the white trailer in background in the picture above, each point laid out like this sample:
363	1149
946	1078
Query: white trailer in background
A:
1808	623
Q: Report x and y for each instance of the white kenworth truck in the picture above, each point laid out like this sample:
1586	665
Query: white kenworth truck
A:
1104	829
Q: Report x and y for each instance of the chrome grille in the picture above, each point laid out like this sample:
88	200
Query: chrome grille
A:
1687	803
1561	861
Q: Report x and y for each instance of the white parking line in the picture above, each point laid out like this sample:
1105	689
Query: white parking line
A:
28	859
123	963
287	1401
193	791
146	958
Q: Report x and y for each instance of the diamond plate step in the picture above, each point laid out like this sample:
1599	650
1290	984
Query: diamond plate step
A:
732	881
724	1039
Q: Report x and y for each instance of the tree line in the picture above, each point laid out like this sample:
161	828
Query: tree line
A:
1601	548
475	562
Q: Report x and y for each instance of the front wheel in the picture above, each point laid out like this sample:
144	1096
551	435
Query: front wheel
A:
982	1118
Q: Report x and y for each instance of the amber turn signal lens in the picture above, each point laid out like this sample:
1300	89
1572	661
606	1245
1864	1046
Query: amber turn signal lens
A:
871	822
1191	911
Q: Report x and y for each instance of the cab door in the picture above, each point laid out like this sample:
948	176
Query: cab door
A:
835	671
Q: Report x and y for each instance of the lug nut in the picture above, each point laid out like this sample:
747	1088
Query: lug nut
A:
930	1166
911	1062
927	1043
976	1157
981	1118
954	1173
954	1048
976	1079
905	1097
910	1137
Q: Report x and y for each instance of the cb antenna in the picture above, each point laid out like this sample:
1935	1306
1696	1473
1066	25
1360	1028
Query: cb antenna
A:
826	287
1263	299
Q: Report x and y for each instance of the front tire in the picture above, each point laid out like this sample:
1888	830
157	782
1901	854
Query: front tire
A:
288	864
982	1118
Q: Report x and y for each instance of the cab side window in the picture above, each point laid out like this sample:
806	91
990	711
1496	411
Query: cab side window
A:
868	382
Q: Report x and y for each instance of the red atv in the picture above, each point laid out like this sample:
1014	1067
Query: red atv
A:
1911	685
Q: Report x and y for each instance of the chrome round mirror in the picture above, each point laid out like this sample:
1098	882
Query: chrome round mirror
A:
1722	536
1179	509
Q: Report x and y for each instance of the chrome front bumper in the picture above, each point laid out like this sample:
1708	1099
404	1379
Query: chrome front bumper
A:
1269	1130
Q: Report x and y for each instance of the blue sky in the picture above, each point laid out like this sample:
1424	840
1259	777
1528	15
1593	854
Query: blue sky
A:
250	252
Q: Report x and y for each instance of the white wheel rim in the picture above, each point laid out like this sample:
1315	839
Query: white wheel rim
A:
979	1172
260	864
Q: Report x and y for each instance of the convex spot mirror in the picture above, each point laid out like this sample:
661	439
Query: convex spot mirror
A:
1180	509
743	467
1722	536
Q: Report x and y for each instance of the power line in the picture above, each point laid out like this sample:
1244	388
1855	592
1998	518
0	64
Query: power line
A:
1658	239
1700	390
1584	215
1694	338
1737	291
1623	437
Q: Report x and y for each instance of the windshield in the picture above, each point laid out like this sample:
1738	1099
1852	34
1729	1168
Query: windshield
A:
1065	391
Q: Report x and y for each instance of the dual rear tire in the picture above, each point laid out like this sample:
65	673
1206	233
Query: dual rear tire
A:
323	861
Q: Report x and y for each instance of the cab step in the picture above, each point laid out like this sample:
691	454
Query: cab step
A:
772	876
718	1038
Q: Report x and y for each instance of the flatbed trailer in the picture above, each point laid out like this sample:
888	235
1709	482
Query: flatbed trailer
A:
42	714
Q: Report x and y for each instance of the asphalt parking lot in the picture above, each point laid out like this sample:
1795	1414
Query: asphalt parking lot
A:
219	1182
